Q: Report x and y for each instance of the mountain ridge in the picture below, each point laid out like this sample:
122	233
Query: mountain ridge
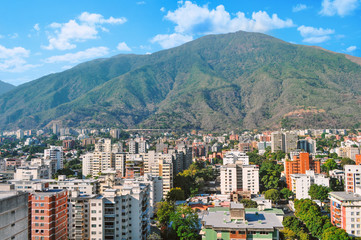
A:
5	87
237	80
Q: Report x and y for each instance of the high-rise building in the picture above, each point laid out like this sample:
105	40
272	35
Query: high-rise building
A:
352	177
290	139
49	215
115	133
277	141
14	215
301	183
55	157
299	165
121	213
235	177
87	164
133	147
78	216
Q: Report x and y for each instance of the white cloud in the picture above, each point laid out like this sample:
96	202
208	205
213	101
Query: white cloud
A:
351	49
338	7
66	34
141	3
94	18
162	9
79	56
315	35
171	40
122	46
299	7
36	27
66	67
191	19
13	59
1	36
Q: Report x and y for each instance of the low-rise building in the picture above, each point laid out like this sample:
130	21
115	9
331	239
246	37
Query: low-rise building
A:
235	223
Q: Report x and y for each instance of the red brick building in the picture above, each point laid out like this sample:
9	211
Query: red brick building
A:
49	215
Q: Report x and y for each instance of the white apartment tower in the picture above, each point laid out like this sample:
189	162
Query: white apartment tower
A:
352	177
239	177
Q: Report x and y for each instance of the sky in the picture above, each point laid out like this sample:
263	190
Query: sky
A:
41	37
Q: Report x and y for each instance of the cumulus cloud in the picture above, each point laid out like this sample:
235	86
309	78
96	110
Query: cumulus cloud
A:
315	35
79	56
351	48
141	3
299	7
84	28
13	59
122	46
338	7
36	27
191	19
171	40
162	9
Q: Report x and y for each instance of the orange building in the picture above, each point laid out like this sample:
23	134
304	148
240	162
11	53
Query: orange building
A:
358	159
299	165
49	215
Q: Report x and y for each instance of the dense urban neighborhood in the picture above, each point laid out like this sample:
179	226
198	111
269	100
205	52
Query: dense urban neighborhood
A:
161	184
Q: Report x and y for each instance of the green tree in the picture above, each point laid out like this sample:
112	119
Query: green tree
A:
249	203
175	194
185	222
164	211
286	193
336	185
154	236
334	233
329	165
288	234
318	192
270	173
273	194
346	161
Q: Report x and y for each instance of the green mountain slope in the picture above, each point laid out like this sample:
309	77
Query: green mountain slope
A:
237	80
5	87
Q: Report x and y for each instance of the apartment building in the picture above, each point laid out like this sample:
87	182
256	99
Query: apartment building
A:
345	212
235	223
32	172
87	164
49	215
236	177
300	163
235	157
84	186
78	215
352	177
55	155
120	213
14	215
284	141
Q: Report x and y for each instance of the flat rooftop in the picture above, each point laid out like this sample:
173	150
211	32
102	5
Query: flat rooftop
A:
254	220
349	196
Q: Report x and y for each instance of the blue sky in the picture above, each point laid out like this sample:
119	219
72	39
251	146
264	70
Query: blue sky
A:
40	37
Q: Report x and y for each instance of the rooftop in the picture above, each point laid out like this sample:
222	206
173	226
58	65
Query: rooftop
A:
346	196
254	220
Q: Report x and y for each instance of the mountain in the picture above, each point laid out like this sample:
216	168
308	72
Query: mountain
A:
5	87
236	80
